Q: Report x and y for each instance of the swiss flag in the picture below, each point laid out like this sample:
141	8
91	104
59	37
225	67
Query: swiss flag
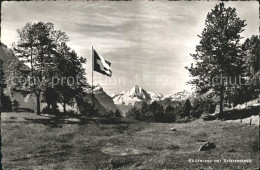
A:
101	65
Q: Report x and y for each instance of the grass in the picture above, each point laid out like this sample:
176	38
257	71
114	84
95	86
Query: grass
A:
32	142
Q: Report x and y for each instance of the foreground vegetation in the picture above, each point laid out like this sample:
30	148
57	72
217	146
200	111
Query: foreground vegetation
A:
40	142
184	111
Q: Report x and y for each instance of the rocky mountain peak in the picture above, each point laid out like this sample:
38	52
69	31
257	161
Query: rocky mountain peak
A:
138	92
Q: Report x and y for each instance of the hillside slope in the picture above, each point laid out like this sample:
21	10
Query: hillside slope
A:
104	99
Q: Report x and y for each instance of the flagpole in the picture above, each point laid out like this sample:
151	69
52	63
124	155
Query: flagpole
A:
92	76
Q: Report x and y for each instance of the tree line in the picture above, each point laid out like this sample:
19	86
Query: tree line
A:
183	111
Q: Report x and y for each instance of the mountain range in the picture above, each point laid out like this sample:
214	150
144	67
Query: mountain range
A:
137	95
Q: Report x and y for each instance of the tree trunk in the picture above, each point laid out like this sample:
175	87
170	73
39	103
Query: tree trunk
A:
64	107
38	103
48	106
221	101
229	98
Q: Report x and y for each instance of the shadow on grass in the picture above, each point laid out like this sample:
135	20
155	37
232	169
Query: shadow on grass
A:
51	122
114	121
58	122
49	155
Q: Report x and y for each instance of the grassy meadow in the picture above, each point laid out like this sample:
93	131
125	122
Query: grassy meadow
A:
41	142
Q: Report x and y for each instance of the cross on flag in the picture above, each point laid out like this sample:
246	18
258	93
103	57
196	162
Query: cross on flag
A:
101	65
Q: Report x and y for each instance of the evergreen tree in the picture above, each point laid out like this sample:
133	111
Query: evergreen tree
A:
83	105
69	69
158	111
252	49
219	53
133	113
187	108
15	105
6	103
51	97
170	114
118	113
36	47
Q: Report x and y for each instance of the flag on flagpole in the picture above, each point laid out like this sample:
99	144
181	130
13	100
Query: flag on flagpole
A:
101	65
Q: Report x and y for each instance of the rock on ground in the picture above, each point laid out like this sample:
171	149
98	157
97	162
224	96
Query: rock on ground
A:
207	146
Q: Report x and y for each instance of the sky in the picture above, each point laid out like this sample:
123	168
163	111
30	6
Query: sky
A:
148	43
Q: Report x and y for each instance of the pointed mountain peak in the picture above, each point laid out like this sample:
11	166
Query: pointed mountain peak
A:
136	90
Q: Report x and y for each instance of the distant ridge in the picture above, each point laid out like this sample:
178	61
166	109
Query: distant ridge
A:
104	99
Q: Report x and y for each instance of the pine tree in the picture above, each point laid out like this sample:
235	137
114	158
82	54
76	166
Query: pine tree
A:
219	53
251	48
187	108
15	105
158	111
170	114
118	113
6	103
69	69
35	48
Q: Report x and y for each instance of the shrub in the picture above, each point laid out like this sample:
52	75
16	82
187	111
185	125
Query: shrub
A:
84	107
110	114
25	110
118	113
186	108
6	103
133	113
52	111
201	106
170	114
141	114
240	113
71	113
15	105
158	111
212	108
183	119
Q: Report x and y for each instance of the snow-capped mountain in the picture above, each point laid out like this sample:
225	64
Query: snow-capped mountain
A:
155	97
175	99
179	96
134	96
137	95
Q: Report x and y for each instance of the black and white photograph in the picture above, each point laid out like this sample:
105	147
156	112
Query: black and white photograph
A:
130	85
